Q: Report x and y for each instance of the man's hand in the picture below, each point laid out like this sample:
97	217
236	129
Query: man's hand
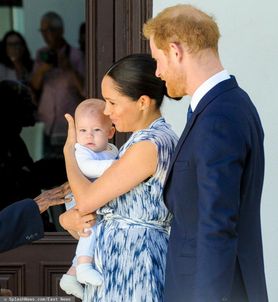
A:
45	67
52	197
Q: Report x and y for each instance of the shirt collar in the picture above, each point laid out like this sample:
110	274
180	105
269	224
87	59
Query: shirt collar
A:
207	86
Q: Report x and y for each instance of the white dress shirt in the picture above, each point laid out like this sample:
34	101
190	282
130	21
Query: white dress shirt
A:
207	86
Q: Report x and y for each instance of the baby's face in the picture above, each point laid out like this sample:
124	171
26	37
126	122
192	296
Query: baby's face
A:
92	132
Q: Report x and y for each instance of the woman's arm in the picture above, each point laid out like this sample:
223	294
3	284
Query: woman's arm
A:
137	164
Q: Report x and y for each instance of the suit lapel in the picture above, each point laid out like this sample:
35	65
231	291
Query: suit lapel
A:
207	99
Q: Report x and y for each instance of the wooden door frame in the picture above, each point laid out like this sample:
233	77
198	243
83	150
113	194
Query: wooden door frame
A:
112	32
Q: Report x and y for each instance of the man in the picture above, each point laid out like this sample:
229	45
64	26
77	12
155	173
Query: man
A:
215	179
57	80
21	223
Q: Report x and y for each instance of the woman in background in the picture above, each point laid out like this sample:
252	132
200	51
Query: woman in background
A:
15	60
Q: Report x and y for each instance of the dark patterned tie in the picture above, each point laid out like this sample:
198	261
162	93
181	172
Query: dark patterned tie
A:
189	113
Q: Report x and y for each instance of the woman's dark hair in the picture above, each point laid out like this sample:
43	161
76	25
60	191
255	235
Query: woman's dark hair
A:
134	76
26	58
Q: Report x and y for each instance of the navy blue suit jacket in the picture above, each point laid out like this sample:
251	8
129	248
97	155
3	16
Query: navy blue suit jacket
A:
213	188
20	223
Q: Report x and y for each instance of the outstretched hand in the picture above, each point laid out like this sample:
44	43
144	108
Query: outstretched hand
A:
52	197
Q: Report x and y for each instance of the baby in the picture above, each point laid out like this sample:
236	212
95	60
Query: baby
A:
94	154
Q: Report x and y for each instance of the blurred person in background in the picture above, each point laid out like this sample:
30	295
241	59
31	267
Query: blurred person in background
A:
15	59
20	177
82	37
16	177
57	81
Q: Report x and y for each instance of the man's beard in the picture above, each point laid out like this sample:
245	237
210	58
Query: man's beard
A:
175	90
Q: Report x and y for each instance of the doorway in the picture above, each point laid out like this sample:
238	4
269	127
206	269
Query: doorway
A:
114	30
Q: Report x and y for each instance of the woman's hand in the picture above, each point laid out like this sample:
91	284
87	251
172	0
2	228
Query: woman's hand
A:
71	138
73	220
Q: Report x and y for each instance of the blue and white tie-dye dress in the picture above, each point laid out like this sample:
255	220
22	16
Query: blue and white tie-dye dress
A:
132	236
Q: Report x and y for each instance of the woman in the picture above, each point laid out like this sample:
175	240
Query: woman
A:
15	59
20	176
17	176
132	234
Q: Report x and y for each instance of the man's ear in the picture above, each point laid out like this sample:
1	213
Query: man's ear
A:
144	102
111	132
176	50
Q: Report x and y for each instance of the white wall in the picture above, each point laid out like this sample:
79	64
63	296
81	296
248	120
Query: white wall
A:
249	50
72	12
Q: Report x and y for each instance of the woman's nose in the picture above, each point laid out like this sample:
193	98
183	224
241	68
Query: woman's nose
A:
106	109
